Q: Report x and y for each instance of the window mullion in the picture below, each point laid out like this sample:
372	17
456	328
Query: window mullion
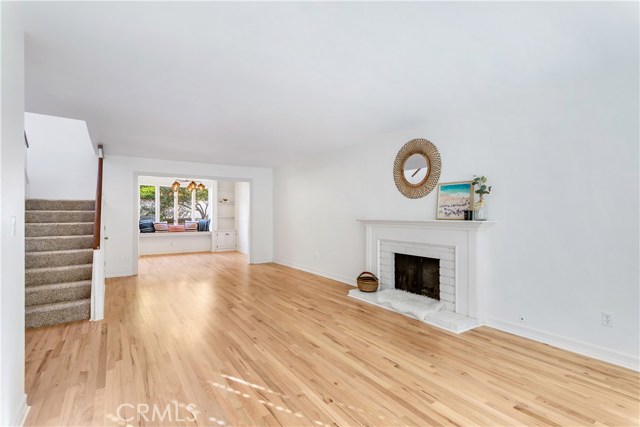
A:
175	208
157	194
193	205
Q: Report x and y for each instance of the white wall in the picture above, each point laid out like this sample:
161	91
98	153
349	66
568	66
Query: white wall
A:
242	207
12	184
120	203
563	160
61	162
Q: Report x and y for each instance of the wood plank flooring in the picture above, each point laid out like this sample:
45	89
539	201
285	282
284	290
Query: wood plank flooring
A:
207	336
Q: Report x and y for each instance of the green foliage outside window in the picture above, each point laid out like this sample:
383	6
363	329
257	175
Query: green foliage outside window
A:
184	205
148	202
202	204
166	205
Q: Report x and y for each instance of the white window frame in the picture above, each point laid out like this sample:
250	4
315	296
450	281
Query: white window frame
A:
175	203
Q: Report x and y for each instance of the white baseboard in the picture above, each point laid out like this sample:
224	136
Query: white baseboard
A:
116	274
629	361
261	261
23	411
351	281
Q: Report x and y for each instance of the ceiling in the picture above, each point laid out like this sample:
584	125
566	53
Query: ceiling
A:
266	83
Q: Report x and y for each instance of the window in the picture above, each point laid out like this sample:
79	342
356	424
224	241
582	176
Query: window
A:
148	202
166	205
160	203
202	204
185	205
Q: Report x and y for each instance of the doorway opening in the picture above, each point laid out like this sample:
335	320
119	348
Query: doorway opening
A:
190	214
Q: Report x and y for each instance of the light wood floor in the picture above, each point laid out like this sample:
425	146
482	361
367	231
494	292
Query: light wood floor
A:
269	345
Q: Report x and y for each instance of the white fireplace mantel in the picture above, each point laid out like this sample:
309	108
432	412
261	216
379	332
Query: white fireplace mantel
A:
440	223
470	247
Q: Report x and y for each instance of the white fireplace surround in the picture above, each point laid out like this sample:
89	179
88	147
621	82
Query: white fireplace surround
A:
445	255
461	246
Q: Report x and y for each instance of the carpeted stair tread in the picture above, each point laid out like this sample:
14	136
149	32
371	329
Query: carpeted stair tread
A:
59	205
59	216
48	275
61	312
58	243
58	258
57	292
58	229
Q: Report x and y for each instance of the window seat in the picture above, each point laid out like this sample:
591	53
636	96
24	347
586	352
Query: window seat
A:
174	242
176	233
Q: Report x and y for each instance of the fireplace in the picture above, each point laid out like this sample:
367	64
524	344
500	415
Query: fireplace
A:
418	275
460	248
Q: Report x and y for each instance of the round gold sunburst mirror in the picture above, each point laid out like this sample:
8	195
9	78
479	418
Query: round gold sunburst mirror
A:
416	170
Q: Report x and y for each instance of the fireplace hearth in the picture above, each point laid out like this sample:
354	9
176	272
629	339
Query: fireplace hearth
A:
418	275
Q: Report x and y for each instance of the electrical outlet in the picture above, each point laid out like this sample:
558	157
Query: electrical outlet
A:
607	319
316	255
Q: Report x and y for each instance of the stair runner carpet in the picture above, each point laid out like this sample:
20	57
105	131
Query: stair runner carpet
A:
58	261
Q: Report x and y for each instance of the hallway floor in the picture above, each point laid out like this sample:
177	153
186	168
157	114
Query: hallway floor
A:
206	339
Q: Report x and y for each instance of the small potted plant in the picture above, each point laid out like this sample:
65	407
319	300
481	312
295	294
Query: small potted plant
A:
481	188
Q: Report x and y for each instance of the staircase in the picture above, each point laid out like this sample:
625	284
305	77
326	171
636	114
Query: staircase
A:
58	260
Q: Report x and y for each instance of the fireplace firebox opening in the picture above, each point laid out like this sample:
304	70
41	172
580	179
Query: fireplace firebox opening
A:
419	275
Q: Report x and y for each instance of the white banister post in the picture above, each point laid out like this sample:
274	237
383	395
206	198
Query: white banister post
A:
97	286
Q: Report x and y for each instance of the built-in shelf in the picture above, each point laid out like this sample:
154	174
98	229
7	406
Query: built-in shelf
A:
224	211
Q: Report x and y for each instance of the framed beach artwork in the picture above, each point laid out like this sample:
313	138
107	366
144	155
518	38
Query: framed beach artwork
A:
453	199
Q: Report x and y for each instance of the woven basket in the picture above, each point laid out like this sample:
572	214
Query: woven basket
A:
367	282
